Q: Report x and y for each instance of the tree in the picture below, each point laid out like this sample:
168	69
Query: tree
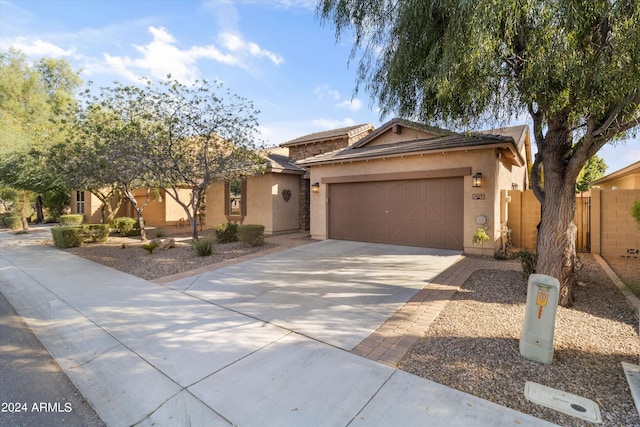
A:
194	136
592	170
574	66
35	101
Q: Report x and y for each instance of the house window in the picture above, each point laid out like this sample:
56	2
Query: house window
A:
80	202
236	199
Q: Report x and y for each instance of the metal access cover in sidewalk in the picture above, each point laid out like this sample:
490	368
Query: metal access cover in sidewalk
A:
560	401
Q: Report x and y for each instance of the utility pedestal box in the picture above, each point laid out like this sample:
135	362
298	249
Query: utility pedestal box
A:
536	342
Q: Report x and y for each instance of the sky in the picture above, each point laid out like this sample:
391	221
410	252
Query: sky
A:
275	53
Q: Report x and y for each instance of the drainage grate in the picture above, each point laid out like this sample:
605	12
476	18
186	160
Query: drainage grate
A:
560	401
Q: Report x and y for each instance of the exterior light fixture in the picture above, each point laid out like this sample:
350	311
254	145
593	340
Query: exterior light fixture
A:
315	188
514	186
477	180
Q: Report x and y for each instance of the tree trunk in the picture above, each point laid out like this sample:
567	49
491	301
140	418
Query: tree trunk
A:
556	245
25	208
39	211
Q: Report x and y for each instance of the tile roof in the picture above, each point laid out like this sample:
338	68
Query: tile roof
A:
281	163
329	135
450	142
404	123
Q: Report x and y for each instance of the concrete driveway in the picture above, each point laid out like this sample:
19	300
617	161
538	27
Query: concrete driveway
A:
336	292
261	343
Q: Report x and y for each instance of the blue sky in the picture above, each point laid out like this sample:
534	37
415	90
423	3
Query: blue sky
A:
273	52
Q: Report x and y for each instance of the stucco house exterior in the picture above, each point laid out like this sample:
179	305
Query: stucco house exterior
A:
279	198
627	178
161	211
410	184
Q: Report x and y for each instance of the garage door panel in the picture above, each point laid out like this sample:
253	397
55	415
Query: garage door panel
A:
426	212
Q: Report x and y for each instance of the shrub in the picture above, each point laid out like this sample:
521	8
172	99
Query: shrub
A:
92	233
635	211
12	221
149	247
126	226
528	261
67	236
203	246
226	233
71	219
251	234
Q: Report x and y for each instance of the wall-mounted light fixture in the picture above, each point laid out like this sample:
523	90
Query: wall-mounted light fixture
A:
315	188
514	186
477	180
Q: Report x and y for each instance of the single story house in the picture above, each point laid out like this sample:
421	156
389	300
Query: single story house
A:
161	211
410	184
279	199
627	178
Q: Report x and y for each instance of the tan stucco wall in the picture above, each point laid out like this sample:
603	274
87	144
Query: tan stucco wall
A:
406	134
629	182
92	214
285	213
483	160
265	204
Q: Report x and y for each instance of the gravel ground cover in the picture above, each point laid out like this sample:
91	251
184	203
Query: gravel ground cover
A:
473	346
628	270
128	255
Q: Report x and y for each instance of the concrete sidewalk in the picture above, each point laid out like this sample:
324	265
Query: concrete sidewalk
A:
255	344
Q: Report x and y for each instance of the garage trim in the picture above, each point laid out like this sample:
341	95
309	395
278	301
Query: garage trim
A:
398	176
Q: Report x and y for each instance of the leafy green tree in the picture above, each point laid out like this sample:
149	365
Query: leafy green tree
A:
573	65
592	170
35	101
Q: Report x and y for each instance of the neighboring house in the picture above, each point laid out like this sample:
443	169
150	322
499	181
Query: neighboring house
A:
161	211
627	178
411	184
278	199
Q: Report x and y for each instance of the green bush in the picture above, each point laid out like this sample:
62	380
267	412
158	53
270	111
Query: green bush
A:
67	236
149	247
12	220
226	233
251	234
528	261
92	233
203	246
71	219
126	226
635	211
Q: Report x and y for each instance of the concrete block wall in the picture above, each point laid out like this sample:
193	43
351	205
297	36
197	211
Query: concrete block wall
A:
613	231
619	233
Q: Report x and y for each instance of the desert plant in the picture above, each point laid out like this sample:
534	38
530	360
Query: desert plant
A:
528	261
71	219
635	211
251	234
67	237
149	247
159	234
203	246
226	233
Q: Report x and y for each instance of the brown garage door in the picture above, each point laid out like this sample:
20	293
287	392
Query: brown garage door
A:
421	212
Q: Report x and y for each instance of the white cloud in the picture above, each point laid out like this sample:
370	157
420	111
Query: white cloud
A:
324	91
353	105
333	124
162	57
38	47
236	44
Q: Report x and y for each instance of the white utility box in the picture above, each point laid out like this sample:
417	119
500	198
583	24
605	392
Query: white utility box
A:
536	342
